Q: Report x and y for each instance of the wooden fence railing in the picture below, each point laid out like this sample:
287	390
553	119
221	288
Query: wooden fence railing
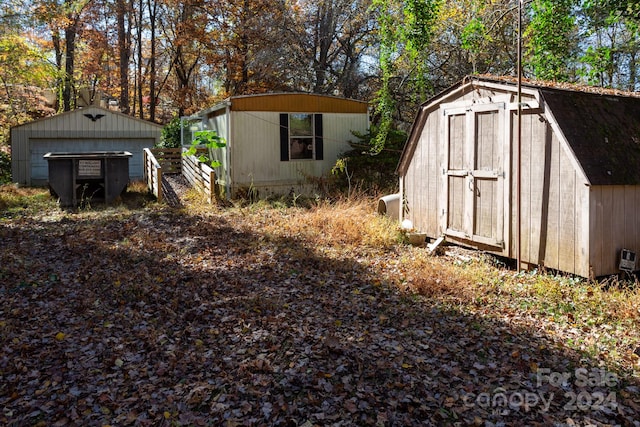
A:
152	173
200	175
169	158
158	161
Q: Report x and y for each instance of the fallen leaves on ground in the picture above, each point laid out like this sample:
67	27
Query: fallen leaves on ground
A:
158	316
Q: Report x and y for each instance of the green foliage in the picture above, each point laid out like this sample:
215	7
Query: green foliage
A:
405	29
385	108
419	16
23	63
598	60
374	173
24	69
341	167
551	39
474	40
473	35
628	8
170	137
612	46
208	139
24	201
5	168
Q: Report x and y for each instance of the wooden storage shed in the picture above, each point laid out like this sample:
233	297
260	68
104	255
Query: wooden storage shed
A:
82	130
579	173
276	141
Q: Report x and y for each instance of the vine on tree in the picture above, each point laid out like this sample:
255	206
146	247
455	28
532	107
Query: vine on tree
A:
405	32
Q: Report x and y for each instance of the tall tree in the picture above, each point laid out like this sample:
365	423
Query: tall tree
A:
610	46
335	36
72	24
63	21
139	26
249	44
184	34
551	39
152	10
244	21
406	28
323	40
25	68
123	17
472	36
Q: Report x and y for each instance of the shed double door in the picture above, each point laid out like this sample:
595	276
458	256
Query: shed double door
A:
474	177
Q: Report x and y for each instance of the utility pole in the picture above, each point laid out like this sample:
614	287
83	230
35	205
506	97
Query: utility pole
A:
519	142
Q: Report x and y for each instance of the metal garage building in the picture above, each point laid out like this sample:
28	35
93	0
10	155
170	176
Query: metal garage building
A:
82	130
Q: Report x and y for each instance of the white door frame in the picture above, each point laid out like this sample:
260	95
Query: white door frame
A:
473	175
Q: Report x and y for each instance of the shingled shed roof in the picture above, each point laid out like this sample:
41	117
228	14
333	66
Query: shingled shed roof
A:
602	127
603	132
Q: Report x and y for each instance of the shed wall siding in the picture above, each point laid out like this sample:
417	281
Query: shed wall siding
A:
569	221
75	120
39	147
616	225
536	189
19	157
422	181
554	223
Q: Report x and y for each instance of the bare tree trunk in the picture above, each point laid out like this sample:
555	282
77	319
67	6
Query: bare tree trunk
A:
68	92
55	36
124	50
139	65
324	32
185	57
245	49
633	71
153	7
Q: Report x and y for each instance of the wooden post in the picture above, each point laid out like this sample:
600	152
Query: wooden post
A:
144	167
159	183
519	147
213	194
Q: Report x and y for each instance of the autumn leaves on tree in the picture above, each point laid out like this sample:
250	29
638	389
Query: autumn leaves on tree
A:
159	58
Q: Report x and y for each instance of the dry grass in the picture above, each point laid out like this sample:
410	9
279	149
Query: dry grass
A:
30	201
344	223
14	197
598	318
441	277
480	284
349	223
137	187
352	225
461	277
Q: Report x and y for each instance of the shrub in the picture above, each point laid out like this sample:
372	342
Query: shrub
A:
373	173
5	167
170	137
